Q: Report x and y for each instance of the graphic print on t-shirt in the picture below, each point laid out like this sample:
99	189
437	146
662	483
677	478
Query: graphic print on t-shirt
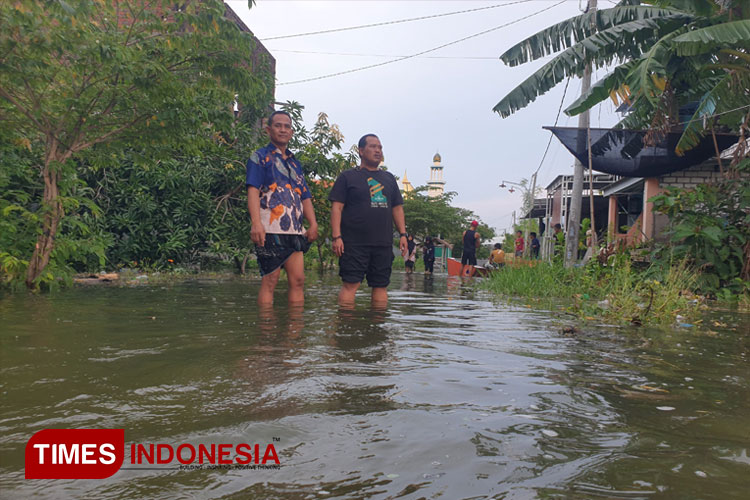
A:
377	198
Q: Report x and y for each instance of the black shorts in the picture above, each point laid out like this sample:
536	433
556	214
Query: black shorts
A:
277	249
409	264
359	261
469	258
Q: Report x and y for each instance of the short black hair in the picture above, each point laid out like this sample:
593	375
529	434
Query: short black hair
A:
275	113
363	140
498	246
558	226
532	234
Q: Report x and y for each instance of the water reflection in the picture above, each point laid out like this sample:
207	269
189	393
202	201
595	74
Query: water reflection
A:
442	394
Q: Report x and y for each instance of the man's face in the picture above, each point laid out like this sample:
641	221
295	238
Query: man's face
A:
372	153
280	130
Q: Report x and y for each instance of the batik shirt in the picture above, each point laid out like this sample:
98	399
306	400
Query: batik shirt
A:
282	189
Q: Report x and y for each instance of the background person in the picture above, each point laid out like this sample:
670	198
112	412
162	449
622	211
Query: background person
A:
471	242
278	198
366	202
497	256
519	243
535	245
428	254
559	237
411	254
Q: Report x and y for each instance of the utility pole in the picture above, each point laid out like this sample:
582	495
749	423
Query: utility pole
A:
526	245
574	216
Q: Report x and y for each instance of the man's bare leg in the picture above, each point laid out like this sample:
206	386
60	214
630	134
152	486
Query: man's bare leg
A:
295	271
380	297
347	293
267	286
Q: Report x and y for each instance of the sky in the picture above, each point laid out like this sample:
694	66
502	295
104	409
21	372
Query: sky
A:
439	102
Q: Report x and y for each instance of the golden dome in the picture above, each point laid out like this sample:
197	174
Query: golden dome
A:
436	158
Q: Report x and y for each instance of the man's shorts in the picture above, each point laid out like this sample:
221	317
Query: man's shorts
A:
277	250
359	261
469	258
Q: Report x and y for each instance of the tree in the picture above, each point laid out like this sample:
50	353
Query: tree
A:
319	152
667	53
435	216
76	77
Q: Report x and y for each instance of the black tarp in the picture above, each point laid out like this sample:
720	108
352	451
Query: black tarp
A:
622	152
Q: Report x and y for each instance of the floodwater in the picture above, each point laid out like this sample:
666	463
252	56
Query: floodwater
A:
446	394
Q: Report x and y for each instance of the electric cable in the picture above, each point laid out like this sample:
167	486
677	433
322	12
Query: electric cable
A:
398	21
565	91
370	66
494	58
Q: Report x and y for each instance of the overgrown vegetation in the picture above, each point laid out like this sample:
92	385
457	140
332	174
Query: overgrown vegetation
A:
616	291
710	227
81	80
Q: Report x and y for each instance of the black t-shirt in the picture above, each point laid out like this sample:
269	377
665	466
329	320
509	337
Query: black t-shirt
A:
368	197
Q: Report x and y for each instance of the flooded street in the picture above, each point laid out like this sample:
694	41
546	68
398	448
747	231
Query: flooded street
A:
445	394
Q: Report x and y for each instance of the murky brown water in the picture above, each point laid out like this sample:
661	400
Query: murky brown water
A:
446	394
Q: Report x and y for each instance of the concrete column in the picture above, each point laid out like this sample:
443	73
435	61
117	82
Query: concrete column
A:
612	228
650	189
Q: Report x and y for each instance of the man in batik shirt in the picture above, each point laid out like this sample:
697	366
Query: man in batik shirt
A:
278	199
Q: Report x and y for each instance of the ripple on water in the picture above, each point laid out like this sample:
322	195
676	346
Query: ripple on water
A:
445	394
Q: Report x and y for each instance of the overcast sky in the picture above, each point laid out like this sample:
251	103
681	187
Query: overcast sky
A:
441	101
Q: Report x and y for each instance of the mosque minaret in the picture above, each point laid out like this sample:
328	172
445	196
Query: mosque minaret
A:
436	184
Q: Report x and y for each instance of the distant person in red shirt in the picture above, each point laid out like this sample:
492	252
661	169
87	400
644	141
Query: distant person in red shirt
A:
519	244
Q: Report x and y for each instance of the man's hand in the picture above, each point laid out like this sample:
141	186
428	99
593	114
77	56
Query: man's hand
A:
404	246
258	234
312	233
338	247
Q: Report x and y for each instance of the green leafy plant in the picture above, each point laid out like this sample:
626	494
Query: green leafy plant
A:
710	226
77	76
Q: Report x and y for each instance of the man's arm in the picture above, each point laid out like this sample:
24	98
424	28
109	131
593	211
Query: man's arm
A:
400	221
338	244
309	212
478	240
257	231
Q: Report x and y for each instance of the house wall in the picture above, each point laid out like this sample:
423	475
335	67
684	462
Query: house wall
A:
705	173
691	177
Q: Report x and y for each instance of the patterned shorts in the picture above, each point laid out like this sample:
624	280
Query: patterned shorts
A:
277	250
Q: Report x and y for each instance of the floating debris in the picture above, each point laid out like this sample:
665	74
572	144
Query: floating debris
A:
665	408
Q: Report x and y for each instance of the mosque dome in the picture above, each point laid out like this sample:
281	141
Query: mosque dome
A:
436	158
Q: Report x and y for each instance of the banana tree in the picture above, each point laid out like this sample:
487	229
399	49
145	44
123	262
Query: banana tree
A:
665	53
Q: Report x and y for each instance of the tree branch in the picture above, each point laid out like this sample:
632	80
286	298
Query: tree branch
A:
109	135
20	107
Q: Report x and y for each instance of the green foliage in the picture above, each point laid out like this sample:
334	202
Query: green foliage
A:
152	78
674	53
318	151
435	216
616	292
79	243
710	226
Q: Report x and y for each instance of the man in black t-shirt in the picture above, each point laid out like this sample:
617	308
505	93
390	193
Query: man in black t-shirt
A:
366	202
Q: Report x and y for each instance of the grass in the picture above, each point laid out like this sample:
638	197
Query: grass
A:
617	292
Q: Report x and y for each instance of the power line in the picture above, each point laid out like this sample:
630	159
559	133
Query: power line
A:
714	115
398	21
494	58
565	91
370	66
